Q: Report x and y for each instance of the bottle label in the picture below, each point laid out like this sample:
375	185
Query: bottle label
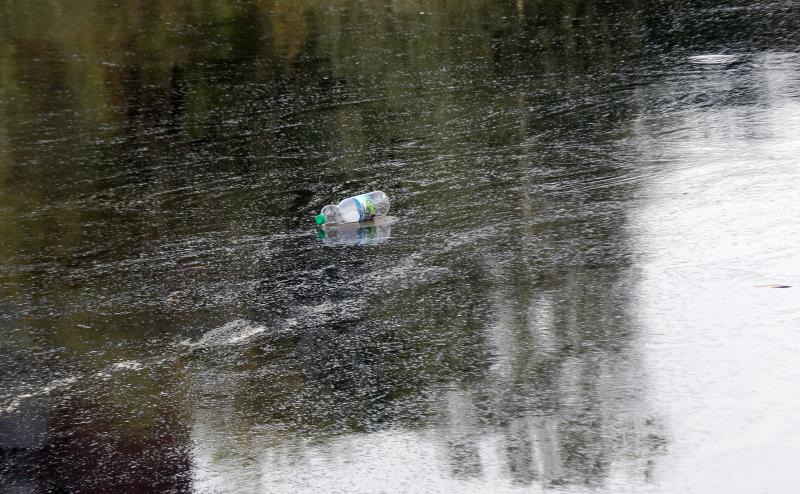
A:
366	207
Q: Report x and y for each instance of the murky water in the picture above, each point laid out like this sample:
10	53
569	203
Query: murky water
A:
595	204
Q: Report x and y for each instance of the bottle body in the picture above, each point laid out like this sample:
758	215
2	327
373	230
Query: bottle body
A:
360	208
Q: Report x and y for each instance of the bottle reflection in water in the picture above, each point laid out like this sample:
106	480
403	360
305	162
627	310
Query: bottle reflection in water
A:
355	234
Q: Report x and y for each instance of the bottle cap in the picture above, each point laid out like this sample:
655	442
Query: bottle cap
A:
320	219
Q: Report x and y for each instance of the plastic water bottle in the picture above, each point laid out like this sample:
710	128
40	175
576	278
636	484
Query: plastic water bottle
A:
363	207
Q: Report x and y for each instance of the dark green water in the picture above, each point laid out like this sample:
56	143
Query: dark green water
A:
592	198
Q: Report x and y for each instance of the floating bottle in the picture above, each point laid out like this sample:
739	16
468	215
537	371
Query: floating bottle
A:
364	207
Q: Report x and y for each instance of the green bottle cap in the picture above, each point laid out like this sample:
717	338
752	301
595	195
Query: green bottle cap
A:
320	219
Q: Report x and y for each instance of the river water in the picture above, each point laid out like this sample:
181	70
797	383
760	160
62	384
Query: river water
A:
595	206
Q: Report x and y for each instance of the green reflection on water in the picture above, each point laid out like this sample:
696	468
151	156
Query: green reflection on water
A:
159	162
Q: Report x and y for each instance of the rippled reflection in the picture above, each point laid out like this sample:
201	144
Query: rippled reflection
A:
590	199
724	360
373	233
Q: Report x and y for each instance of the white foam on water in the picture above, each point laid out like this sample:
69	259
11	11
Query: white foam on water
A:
230	333
46	390
128	365
713	59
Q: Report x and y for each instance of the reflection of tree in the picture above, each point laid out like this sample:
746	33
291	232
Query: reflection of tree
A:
565	390
136	140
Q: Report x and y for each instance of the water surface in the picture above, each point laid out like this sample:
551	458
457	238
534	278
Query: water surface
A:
594	203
